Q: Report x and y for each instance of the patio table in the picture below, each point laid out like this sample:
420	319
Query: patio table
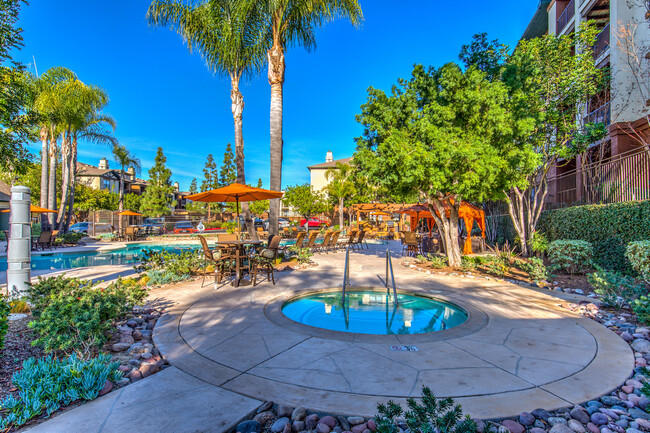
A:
240	253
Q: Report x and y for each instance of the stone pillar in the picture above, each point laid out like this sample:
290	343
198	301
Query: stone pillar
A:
20	239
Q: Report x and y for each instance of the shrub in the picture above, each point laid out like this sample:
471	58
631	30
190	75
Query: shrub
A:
436	261
641	308
467	263
539	244
4	320
161	277
46	384
78	318
570	256
638	253
213	224
69	238
534	267
19	306
41	292
614	288
302	254
106	236
178	265
433	415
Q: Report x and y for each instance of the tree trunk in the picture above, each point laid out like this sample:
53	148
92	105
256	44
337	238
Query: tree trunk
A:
120	206
525	207
73	182
65	189
448	227
44	158
51	184
341	213
237	114
276	80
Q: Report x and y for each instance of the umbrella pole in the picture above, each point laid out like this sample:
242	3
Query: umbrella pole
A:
238	222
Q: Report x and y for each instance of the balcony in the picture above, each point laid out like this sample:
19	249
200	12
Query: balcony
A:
602	42
566	17
601	114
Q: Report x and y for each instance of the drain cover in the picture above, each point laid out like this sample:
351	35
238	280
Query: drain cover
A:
404	349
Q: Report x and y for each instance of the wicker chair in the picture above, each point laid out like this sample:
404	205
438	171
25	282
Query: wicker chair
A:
221	258
360	240
300	239
334	243
311	244
350	242
44	240
264	260
324	246
411	244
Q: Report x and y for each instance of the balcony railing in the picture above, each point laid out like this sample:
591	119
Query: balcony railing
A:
602	42
602	114
566	16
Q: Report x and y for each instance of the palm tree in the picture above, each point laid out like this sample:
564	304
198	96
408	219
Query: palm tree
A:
340	186
294	22
124	158
232	36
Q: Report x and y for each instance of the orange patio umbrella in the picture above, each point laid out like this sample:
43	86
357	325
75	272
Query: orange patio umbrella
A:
235	192
36	209
128	213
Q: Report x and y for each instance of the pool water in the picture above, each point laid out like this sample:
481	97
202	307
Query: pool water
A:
374	312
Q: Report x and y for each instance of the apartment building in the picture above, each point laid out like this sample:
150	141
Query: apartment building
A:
615	169
103	177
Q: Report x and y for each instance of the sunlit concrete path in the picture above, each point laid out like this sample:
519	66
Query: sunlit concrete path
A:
518	351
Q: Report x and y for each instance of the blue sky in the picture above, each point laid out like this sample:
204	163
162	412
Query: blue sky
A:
161	95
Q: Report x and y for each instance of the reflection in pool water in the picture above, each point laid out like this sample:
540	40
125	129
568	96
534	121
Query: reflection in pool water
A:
374	312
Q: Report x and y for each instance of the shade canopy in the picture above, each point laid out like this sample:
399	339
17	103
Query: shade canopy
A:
128	213
235	192
36	209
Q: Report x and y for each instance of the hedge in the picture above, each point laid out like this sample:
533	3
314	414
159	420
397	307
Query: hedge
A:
609	228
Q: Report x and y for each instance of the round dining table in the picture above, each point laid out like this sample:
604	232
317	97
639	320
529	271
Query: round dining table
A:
240	253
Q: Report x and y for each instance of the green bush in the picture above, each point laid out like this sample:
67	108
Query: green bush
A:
534	267
539	244
40	293
432	415
213	224
302	254
156	277
614	288
638	253
46	384
5	309
69	238
570	256
170	266
641	307
78	317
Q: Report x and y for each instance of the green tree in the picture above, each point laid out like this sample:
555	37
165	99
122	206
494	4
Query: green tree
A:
228	171
124	158
210	179
16	93
445	136
231	37
303	200
257	208
341	187
195	206
549	85
293	23
484	55
133	202
157	199
90	199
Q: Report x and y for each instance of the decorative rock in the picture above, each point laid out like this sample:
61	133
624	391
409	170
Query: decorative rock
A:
501	429
576	426
513	426
135	376
127	338
560	428
323	428
537	430
354	420
120	347
599	418
287	428
132	323
108	387
632	430
329	421
610	413
146	355
623	423
311	421
553	420
359	428
638	413
634	425
627	336
124	368
298	414
149	369
278	426
609	400
542	414
251	426
526	419
644	402
337	429
643	423
123	382
265	407
615	428
298	426
284	411
540	424
633	383
595	403
579	414
124	329
264	417
345	425
641	345
592	428
372	426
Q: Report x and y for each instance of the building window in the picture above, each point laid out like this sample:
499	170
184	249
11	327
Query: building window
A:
106	184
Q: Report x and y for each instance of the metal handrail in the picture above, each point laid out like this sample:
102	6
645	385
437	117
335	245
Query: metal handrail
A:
346	274
389	266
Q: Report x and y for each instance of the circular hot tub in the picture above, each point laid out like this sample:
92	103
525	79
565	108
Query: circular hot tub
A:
374	312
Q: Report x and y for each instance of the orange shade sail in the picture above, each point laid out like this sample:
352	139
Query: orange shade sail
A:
36	209
128	213
235	192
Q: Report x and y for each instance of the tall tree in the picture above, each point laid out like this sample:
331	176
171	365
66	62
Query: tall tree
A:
305	201
484	55
157	199
195	206
210	179
340	187
228	171
550	80
124	159
294	22
232	37
259	207
446	136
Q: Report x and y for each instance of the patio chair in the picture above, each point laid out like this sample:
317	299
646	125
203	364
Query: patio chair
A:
222	260
44	240
350	242
360	240
334	243
264	260
311	244
411	244
226	237
129	234
300	239
326	242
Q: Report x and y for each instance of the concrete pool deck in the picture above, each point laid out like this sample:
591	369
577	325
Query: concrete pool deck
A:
519	351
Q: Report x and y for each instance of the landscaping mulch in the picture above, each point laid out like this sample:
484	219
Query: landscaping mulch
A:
17	349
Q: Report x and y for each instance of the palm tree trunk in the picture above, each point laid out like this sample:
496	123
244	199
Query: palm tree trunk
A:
65	168
51	185
120	206
44	158
237	114
72	172
276	80
341	213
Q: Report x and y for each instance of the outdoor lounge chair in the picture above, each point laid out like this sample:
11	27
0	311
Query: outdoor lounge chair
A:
326	242
311	244
221	259
360	240
129	234
334	243
350	242
264	260
411	244
300	239
44	240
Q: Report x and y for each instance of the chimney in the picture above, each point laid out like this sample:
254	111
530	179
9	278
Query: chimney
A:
176	186
131	173
329	157
103	164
